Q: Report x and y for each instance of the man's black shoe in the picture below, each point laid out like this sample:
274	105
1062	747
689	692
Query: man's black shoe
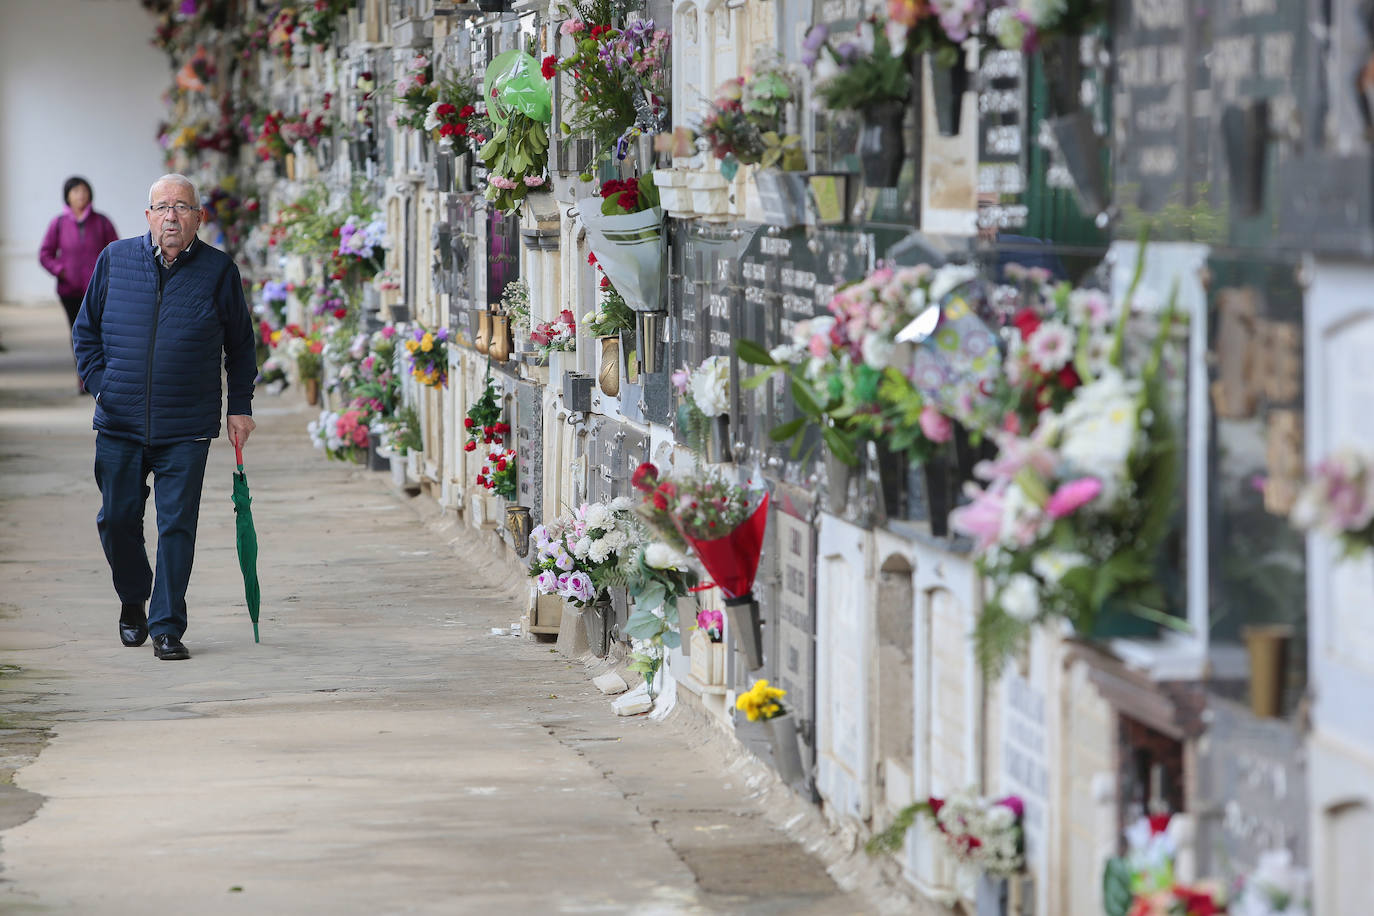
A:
169	648
133	624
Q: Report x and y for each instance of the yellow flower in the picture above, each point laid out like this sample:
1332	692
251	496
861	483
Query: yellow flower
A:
427	342
276	337
760	701
412	346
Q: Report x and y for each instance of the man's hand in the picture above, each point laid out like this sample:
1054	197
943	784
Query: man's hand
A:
239	428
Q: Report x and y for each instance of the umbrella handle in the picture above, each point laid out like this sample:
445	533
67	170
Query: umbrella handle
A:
238	451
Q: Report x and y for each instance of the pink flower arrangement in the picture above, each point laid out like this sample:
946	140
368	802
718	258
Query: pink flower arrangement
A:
502	182
351	429
557	335
712	623
1338	500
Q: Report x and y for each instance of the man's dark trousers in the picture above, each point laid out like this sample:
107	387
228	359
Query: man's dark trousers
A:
121	471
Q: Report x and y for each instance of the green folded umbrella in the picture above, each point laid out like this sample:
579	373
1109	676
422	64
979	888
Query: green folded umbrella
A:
247	540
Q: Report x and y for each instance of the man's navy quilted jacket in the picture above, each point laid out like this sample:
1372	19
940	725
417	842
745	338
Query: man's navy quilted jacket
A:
148	342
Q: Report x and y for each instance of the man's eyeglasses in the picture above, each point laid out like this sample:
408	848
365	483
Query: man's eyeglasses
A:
181	209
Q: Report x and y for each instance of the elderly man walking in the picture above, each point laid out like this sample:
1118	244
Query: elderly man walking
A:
160	311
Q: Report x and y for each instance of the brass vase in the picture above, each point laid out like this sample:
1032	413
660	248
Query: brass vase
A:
483	339
609	376
498	341
1268	649
290	166
519	524
312	391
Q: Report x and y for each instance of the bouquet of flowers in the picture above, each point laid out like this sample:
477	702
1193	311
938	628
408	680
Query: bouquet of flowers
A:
1142	882
270	144
515	302
484	420
580	554
1074	514
453	119
272	375
498	474
612	315
361	250
712	623
658	576
1027	23
621	82
1276	887
628	195
308	352
938	27
745	122
860	72
235	213
1338	501
274	296
762	702
721	522
400	435
705	393
557	335
415	93
980	832
342	434
429	356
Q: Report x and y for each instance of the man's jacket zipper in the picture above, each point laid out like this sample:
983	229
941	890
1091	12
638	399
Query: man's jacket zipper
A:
152	344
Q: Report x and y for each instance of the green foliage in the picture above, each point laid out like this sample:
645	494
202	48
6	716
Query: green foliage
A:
867	79
1117	888
406	438
996	636
518	150
892	839
613	315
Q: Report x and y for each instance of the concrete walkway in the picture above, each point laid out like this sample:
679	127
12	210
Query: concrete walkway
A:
379	752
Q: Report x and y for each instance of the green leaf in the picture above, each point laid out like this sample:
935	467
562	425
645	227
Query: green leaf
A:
838	446
1117	895
787	430
754	353
758	379
672	639
805	398
643	625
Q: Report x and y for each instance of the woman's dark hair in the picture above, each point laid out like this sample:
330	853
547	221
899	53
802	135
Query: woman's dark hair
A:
73	182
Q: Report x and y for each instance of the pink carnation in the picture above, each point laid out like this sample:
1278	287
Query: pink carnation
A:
935	426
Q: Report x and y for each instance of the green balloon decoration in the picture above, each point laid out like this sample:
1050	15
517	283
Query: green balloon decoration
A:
513	82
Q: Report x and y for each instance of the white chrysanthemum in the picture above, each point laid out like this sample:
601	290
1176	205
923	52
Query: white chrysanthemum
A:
661	556
599	551
581	547
878	351
622	504
432	116
598	516
1020	597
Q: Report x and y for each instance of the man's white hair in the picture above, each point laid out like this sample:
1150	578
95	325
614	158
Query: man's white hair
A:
179	179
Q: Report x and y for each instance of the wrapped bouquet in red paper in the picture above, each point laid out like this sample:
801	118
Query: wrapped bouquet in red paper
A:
723	523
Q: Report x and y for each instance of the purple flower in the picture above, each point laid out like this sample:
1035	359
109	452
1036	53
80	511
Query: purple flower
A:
188	7
578	587
546	582
564	561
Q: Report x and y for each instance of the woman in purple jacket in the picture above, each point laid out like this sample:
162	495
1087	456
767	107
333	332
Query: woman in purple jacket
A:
72	243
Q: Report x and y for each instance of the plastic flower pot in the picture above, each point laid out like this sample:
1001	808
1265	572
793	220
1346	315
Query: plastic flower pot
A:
948	85
839	478
882	148
519	524
462	172
443	171
747	628
398	472
312	391
786	753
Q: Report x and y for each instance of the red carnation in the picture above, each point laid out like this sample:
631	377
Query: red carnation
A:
470	446
460	129
550	66
1068	378
503	427
501	465
1026	321
445	110
659	502
469	422
629	199
467	111
340	312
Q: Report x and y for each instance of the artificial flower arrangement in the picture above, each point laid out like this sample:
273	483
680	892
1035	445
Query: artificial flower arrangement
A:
745	123
375	378
612	314
455	118
274	296
861	72
399	435
762	702
620	77
343	434
346	348
517	157
581	554
278	133
1026	24
483	422
1081	496
361	250
308	352
1338	501
853	376
559	335
236	211
429	356
498	474
721	522
982	833
628	195
415	93
1276	887
705	393
657	577
515	303
712	623
1143	883
272	375
939	27
628	242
